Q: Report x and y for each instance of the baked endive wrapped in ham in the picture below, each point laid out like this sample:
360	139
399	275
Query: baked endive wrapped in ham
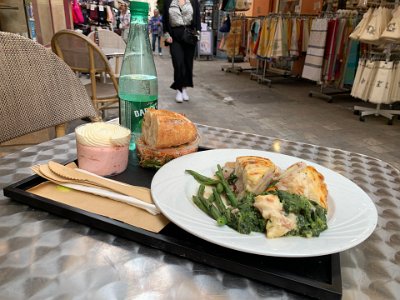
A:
165	135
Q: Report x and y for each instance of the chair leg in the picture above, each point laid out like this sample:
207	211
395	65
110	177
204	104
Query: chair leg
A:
61	130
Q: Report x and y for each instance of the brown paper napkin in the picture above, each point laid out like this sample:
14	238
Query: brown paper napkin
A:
104	206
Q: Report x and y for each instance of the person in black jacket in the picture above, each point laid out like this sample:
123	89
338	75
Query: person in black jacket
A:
180	15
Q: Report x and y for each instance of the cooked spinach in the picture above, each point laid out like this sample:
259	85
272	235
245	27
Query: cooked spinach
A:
311	217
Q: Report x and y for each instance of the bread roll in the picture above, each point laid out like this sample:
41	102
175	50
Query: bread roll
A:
164	129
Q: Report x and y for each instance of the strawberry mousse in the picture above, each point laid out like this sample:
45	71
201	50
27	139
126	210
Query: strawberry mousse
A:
102	148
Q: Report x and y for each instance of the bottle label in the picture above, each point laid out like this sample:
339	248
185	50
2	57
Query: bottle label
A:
131	115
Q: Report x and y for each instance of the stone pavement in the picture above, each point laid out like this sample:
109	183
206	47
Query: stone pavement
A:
284	111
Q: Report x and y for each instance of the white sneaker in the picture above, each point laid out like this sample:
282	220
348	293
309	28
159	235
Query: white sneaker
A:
179	97
185	96
160	54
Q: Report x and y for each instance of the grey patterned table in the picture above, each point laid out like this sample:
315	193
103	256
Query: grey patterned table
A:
46	257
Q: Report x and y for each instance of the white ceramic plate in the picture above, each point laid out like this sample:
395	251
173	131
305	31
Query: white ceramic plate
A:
352	216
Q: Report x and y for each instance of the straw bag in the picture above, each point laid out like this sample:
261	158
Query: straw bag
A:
392	30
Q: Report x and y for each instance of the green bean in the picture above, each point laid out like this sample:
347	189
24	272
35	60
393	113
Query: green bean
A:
220	188
229	193
200	192
202	179
200	204
218	201
221	221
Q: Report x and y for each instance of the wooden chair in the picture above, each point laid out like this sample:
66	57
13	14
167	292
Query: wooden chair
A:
111	40
37	89
83	55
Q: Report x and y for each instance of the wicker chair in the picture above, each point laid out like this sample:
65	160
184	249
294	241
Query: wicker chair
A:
83	55
109	39
37	89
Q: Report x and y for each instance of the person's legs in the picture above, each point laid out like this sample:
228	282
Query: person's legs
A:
177	54
188	57
159	44
153	41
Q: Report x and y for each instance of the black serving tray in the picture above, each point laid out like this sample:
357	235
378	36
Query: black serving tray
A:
316	277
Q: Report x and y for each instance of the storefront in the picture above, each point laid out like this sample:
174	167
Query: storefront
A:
35	19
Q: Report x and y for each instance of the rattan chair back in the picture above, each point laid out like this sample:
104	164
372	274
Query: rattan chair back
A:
37	89
83	55
108	39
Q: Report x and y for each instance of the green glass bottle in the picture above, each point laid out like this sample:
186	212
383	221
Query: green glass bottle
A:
138	87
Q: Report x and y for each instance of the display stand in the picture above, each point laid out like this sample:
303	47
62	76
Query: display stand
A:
367	111
328	93
363	111
232	68
260	72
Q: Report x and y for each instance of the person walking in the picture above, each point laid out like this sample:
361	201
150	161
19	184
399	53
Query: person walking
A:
180	18
155	26
125	21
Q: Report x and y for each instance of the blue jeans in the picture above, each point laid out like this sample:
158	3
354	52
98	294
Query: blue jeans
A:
153	42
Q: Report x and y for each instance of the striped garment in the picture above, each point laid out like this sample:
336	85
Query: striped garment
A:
315	51
180	15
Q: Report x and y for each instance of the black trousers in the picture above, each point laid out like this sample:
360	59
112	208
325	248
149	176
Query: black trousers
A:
182	60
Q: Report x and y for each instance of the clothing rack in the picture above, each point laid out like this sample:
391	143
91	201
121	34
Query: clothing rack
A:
232	68
328	90
264	72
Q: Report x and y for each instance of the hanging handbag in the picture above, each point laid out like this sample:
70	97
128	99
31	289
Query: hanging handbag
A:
242	5
190	36
228	5
94	13
226	25
77	15
375	27
380	86
392	30
355	35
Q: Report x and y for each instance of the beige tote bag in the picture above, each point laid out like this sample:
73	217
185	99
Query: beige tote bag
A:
243	5
368	76
392	30
375	27
395	86
380	86
357	78
355	35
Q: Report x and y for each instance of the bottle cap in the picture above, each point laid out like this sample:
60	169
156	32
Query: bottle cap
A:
141	7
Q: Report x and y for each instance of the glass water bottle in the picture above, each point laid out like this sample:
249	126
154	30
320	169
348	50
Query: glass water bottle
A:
138	88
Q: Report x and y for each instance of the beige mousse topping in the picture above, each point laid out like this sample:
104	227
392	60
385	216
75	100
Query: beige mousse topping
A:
100	134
